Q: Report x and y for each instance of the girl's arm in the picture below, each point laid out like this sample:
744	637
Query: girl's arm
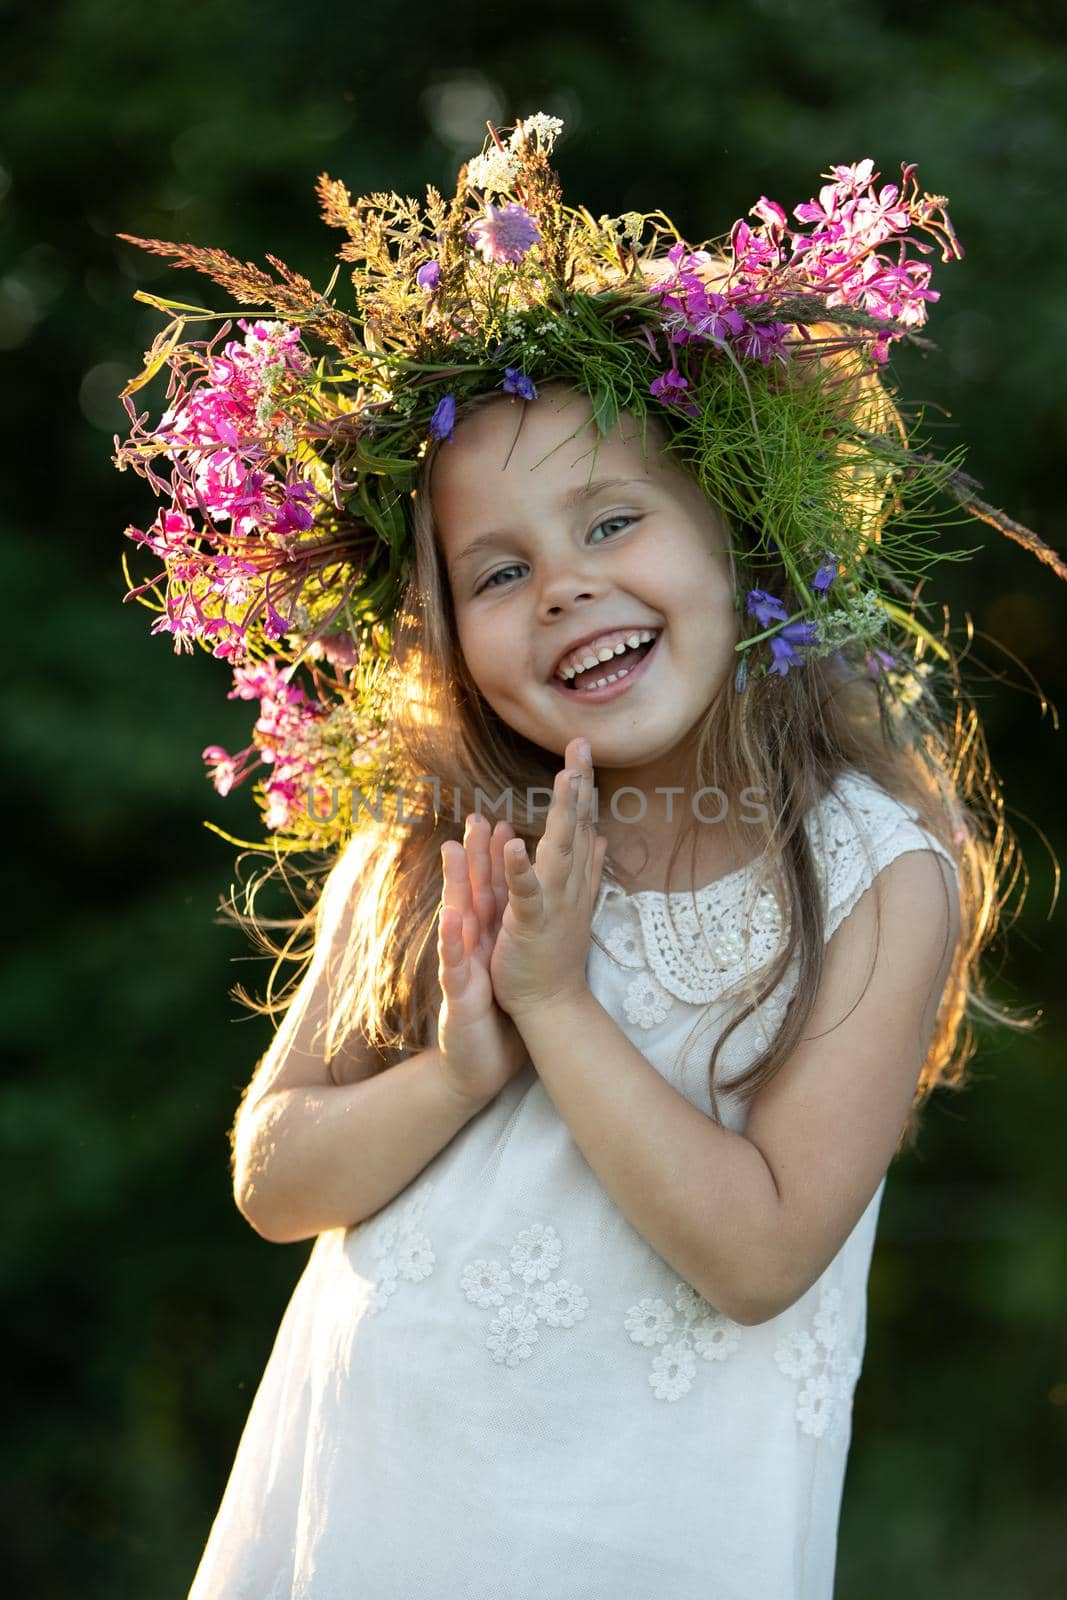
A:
310	1154
314	1156
752	1220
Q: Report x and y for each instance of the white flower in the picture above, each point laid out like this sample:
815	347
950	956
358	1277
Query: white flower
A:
646	1002
535	1252
649	1322
560	1304
512	1335
696	1330
715	1337
545	130
513	1332
815	1406
797	1354
486	1283
827	1320
492	173
625	945
415	1259
827	1368
672	1371
402	1251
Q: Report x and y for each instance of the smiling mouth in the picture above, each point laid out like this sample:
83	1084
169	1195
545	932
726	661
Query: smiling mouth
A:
606	673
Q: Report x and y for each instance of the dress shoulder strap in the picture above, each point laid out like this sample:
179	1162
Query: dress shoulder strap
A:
856	830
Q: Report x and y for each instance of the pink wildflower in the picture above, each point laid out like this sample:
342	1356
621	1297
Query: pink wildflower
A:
505	233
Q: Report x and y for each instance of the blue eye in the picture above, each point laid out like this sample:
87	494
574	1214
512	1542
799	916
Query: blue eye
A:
491	581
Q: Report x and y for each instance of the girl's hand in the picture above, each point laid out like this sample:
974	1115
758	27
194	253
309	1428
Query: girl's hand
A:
481	1046
541	949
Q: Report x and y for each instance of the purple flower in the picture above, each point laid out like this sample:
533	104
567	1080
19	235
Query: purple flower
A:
764	341
765	608
294	512
714	318
444	418
516	382
878	661
769	212
505	233
741	677
825	575
784	656
799	633
275	625
668	386
753	255
428	276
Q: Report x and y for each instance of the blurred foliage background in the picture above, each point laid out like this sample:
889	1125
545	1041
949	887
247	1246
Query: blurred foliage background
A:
139	1308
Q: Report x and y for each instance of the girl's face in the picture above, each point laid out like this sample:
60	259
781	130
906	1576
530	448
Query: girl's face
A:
550	564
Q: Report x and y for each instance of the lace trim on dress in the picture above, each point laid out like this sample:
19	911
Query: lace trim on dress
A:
696	947
856	832
690	953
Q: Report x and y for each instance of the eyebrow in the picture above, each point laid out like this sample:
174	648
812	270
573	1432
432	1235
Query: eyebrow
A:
568	501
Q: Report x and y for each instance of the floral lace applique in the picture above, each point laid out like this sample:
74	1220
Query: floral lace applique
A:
676	953
646	1002
623	942
855	832
689	1329
402	1250
826	1369
536	1252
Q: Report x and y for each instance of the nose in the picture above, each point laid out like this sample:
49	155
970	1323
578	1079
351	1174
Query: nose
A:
564	586
558	607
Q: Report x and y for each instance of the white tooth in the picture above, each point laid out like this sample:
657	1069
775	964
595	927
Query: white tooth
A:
611	677
606	653
600	683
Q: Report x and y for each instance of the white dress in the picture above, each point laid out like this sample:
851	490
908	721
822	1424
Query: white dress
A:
495	1389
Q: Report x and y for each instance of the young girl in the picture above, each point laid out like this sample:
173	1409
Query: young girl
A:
590	1106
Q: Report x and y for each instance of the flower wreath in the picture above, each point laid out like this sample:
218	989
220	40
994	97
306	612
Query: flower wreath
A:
292	452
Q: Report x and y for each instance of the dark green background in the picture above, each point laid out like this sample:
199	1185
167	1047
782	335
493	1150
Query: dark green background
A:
139	1307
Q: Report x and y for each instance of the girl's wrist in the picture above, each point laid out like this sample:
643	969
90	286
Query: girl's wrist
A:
466	1097
555	1009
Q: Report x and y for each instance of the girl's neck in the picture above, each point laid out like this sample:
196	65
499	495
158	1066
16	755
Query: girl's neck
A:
642	814
641	862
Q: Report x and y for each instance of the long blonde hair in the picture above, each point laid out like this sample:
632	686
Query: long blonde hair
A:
790	738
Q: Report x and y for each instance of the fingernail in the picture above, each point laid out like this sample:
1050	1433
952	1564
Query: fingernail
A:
584	749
